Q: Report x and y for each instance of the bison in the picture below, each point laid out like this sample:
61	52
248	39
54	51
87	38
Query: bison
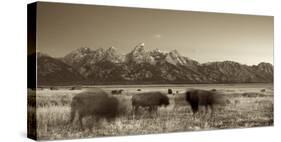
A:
150	100
170	91
117	91
75	88
96	103
205	98
54	88
213	90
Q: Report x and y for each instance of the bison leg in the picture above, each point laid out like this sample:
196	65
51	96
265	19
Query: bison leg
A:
150	109
156	110
194	109
204	110
135	110
194	115
80	122
97	122
211	107
80	119
72	115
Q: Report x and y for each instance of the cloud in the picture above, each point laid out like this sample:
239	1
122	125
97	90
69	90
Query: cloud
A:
157	36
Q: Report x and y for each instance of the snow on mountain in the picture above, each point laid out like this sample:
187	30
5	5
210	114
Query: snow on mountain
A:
138	55
112	55
99	66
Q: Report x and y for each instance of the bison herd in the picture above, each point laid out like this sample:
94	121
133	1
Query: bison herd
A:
101	105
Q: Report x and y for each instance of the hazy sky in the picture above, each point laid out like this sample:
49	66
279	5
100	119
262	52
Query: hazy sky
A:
201	36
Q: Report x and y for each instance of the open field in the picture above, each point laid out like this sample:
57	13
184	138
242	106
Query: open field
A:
248	105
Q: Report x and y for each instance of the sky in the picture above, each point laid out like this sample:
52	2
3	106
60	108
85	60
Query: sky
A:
202	36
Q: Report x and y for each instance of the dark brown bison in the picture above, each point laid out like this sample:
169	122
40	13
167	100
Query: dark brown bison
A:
197	98
54	88
252	94
75	88
150	100
96	103
213	90
170	91
117	91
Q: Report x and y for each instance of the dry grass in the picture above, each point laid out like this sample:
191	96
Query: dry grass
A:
53	113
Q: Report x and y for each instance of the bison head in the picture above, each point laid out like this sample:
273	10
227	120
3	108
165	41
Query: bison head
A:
190	95
164	101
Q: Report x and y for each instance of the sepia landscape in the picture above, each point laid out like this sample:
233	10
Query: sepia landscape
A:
247	100
246	105
113	71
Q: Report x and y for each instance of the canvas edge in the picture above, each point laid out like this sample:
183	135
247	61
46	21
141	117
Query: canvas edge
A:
31	70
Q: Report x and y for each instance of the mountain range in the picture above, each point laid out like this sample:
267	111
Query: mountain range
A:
86	66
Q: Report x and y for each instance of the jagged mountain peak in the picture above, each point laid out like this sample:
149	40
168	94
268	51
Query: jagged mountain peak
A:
111	48
175	53
100	50
139	55
264	64
107	65
82	51
175	58
112	55
79	53
141	44
265	67
158	51
138	49
230	62
75	57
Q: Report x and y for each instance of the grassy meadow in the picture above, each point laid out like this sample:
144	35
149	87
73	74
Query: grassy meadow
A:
246	105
